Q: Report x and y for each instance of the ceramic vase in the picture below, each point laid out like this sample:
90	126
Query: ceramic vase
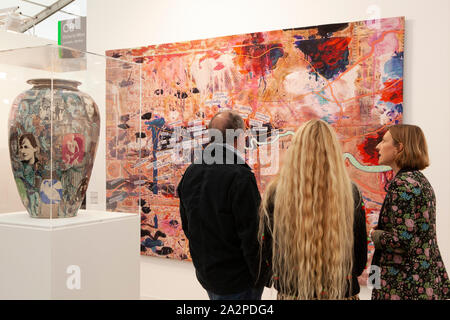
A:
53	137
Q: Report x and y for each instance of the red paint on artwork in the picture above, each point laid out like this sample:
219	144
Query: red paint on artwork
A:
139	51
210	55
257	58
333	50
219	66
168	195
367	149
393	91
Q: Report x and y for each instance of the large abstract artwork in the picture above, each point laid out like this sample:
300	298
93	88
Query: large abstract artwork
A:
349	74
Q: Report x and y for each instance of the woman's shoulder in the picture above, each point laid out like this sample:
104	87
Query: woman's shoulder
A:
357	196
409	182
355	188
413	178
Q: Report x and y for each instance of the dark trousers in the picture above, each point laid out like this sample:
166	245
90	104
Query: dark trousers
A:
249	294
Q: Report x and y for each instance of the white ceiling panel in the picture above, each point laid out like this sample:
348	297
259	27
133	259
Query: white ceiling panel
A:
49	27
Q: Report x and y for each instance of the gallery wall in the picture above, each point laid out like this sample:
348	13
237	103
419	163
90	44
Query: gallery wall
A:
114	25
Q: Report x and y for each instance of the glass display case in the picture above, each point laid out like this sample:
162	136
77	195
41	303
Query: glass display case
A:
70	135
67	225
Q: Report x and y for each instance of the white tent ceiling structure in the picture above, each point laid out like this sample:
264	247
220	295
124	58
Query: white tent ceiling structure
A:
42	15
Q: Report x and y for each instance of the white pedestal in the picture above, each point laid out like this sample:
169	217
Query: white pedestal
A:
36	254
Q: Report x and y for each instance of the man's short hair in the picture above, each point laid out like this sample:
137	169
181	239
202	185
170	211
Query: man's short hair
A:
226	120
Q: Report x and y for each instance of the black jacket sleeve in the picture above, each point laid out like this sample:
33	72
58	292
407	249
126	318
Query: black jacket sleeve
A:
359	235
184	221
265	272
245	201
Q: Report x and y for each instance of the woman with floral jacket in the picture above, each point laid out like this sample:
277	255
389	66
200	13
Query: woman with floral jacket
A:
405	239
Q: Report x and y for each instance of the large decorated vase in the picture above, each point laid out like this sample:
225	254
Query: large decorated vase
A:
53	138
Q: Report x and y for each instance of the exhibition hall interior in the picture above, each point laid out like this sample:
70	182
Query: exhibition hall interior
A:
106	105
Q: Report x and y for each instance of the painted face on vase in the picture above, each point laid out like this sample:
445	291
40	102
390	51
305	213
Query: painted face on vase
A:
72	146
27	151
44	112
72	104
14	146
387	150
90	110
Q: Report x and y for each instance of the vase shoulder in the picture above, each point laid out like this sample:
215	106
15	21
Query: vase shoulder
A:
57	83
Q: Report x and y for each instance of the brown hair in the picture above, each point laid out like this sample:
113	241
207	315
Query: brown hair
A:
415	151
30	137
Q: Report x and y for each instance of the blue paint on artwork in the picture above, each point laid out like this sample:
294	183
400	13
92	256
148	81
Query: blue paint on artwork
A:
394	109
155	126
275	54
155	221
320	99
326	118
328	56
152	244
373	201
398	108
394	67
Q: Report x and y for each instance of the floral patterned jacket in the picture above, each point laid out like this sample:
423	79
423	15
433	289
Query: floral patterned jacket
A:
408	253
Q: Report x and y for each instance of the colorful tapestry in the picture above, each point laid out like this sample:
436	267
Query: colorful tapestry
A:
348	74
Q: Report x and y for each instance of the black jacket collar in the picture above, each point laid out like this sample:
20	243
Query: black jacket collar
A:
227	153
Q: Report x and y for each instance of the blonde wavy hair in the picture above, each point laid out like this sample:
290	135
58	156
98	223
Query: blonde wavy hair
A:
312	199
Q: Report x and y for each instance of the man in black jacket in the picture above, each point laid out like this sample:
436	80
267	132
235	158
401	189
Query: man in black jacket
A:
219	201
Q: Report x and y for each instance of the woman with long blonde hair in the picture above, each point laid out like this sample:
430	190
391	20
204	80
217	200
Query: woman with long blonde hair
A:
312	221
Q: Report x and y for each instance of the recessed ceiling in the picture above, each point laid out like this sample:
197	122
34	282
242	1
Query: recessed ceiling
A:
47	28
32	7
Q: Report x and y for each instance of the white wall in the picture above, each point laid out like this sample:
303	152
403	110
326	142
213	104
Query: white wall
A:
115	24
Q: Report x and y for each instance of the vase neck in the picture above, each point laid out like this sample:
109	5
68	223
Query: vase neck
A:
57	84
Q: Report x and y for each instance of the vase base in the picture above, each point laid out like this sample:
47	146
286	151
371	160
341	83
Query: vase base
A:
53	217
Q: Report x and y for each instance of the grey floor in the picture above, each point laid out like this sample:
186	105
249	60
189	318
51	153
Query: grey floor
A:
365	293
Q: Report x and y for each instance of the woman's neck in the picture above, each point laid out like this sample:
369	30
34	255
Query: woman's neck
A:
395	168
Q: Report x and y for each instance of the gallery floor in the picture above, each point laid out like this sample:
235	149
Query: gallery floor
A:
270	294
365	293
